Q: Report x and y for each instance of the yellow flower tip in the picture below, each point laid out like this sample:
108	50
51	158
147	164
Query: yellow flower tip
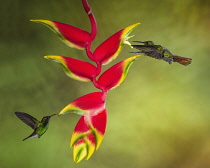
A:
79	152
63	111
55	58
59	114
130	28
50	56
135	57
72	109
38	20
45	22
130	60
47	57
126	32
133	26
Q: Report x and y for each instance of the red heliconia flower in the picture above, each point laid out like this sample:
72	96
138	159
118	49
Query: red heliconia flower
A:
90	129
110	48
90	103
72	36
115	75
74	68
88	135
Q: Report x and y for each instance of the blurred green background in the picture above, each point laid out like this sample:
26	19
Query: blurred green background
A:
158	118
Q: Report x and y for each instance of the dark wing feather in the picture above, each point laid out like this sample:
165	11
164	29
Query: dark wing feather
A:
27	119
145	48
150	50
154	54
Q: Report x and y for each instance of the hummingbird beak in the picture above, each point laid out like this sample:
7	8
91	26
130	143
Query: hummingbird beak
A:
139	42
53	115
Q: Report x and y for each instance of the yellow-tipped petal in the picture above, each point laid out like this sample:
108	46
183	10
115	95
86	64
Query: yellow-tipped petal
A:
98	138
91	102
79	151
115	75
110	48
90	146
72	109
70	35
74	68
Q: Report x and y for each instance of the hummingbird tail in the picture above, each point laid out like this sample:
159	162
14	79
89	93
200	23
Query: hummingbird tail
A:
33	135
182	60
26	138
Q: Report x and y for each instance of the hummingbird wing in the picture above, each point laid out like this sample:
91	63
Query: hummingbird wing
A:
154	54
27	119
154	51
145	48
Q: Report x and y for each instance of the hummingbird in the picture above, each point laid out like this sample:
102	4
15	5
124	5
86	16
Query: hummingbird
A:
149	48
39	127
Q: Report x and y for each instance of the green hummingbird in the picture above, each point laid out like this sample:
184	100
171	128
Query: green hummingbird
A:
149	48
39	127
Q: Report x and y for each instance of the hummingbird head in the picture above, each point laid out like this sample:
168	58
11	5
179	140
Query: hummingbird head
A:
146	42
47	118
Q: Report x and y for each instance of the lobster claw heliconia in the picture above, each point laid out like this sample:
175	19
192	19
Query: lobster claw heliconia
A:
90	129
110	48
88	135
74	68
115	75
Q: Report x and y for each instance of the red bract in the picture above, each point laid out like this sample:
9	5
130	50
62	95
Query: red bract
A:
90	103
84	72
115	75
88	135
110	48
72	36
90	129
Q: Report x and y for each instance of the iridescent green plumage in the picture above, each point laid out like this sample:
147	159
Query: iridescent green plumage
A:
39	127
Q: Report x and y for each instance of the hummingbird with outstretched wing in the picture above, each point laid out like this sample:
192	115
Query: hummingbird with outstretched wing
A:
159	52
39	127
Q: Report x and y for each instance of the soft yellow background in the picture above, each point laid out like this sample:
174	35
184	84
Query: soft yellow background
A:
158	118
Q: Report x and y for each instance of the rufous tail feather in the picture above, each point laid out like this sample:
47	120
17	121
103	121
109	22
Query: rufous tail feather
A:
182	60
